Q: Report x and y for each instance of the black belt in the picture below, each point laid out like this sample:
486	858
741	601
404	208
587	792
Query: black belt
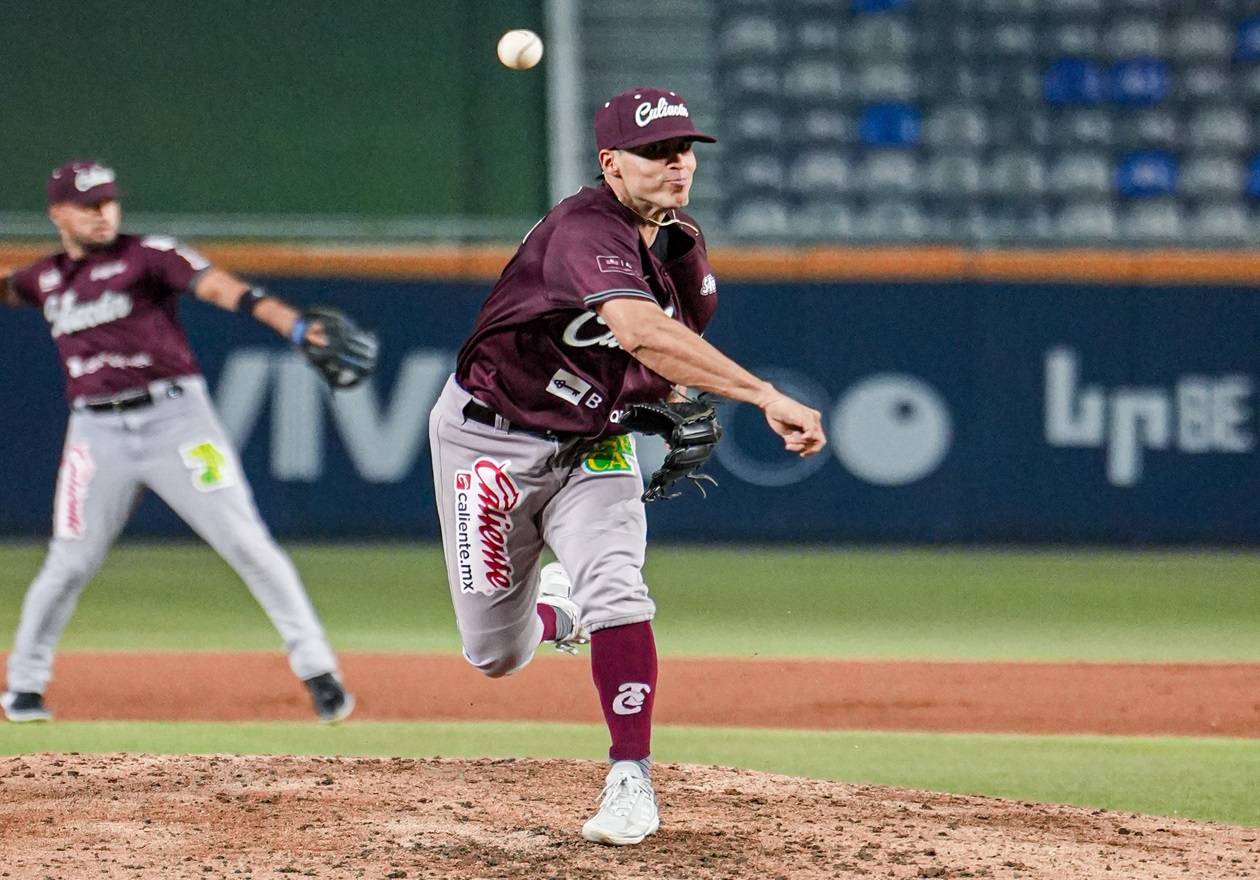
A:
121	403
478	412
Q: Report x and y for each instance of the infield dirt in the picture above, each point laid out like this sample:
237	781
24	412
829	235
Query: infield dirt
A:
146	816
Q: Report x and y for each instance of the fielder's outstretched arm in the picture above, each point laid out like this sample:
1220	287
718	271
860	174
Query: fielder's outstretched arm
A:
226	291
670	349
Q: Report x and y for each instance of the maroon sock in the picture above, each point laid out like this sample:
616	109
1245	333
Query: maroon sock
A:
547	615
623	664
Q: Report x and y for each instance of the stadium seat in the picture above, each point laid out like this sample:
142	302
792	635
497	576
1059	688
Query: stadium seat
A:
1220	222
1202	82
1086	222
1080	174
884	172
1199	38
817	36
1139	81
758	173
950	127
1146	173
821	172
894	221
818	80
879	37
1074	81
1011	38
868	6
887	81
1154	127
756	37
1247	42
751	81
1212	177
824	220
1221	127
760	218
822	125
1155	222
1081	39
1252	186
1082	127
953	175
756	124
1134	37
890	125
1016	174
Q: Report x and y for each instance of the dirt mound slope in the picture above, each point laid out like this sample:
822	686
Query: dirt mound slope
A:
207	816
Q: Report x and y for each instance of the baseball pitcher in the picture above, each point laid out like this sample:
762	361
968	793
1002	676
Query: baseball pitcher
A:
141	418
592	331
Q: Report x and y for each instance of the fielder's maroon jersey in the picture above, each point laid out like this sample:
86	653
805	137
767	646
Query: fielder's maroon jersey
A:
113	315
540	356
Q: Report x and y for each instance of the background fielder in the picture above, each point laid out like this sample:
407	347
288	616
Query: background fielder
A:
141	417
600	308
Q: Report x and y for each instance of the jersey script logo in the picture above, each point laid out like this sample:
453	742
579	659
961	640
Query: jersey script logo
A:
73	480
589	329
485	496
65	314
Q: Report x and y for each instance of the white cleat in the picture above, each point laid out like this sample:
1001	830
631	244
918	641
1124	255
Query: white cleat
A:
23	707
554	589
627	809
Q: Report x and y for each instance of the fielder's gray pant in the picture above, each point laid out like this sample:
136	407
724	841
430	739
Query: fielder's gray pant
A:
177	448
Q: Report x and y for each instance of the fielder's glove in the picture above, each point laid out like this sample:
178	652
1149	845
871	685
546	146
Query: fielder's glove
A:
690	430
349	355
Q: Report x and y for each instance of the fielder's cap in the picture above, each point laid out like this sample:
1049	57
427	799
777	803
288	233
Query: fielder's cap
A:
84	182
643	116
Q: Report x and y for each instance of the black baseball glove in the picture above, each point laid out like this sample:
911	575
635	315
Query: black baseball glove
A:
349	355
691	432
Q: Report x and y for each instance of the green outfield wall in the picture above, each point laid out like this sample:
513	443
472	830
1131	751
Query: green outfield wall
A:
394	108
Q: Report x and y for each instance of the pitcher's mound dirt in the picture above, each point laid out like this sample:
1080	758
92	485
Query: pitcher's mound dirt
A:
161	818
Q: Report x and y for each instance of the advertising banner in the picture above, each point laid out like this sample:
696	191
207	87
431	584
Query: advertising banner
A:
956	412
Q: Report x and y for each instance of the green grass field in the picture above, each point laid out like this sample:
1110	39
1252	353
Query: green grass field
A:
894	603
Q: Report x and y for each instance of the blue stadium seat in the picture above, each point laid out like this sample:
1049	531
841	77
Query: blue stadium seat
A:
891	124
1139	81
862	6
1073	81
1248	46
1146	173
1253	177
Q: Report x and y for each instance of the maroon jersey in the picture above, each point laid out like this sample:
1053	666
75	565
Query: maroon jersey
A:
539	354
113	315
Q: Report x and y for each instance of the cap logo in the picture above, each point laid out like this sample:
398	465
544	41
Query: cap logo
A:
89	178
645	113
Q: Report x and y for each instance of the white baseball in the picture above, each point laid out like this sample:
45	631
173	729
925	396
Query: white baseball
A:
520	49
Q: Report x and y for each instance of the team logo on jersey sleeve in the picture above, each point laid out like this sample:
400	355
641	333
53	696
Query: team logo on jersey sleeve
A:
49	280
210	467
485	496
73	480
708	286
617	264
611	455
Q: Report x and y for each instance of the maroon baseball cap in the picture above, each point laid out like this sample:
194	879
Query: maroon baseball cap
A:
83	181
643	116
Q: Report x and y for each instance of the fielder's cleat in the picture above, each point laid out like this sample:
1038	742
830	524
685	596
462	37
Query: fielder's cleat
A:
554	589
332	701
627	809
24	706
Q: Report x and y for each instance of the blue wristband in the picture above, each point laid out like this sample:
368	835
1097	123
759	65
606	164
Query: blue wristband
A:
298	331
